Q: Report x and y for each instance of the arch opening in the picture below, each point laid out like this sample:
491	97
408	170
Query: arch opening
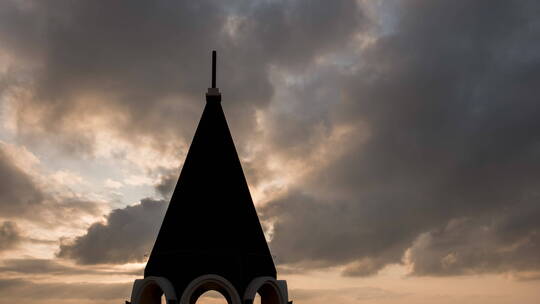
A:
210	293
268	294
210	282
257	299
212	297
152	294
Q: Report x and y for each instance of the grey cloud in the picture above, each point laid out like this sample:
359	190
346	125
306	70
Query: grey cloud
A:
167	183
467	245
21	196
312	233
132	58
18	192
343	295
127	236
451	107
13	289
34	267
447	95
10	235
291	33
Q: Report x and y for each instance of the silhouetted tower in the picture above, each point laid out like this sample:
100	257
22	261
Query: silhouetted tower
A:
210	238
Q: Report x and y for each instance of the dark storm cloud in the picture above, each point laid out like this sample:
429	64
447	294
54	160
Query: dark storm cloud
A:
451	104
145	67
447	94
127	236
10	235
505	243
147	63
335	232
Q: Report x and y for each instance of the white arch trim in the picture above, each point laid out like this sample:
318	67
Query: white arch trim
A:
212	279
141	284
280	287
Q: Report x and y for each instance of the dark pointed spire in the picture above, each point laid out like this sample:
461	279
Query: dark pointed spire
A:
211	225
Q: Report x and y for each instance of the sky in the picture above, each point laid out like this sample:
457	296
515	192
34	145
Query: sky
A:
392	148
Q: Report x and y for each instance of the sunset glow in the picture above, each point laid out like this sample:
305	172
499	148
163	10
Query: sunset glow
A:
391	147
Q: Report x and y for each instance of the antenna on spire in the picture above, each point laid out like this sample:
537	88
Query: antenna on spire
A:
213	92
214	55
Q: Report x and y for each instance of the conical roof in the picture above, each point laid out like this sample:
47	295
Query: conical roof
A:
211	225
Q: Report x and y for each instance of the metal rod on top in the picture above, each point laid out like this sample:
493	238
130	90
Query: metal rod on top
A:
214	69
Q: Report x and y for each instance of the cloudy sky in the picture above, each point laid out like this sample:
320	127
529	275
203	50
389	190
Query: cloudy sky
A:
392	148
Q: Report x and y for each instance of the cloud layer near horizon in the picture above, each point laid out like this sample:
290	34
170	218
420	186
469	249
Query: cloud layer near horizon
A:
400	133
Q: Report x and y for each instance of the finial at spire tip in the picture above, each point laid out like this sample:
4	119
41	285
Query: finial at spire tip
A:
213	91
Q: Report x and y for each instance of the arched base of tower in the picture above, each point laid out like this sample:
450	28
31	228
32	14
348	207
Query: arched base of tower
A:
150	289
